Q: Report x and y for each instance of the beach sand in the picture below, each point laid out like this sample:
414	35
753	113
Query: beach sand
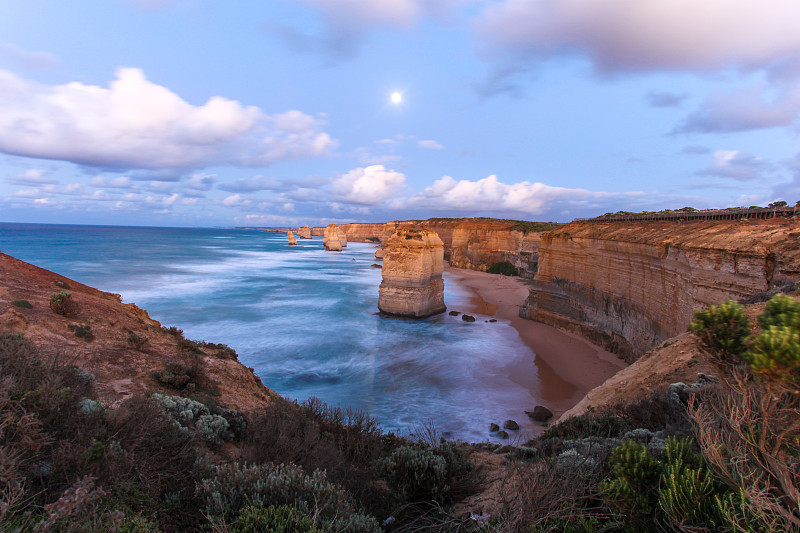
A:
565	366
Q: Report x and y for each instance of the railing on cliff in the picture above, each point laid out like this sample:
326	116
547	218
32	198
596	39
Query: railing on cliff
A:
720	214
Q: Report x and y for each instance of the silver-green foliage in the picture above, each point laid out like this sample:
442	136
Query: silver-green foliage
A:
212	428
421	471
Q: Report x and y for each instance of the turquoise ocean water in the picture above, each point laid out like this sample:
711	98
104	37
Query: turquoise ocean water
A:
305	319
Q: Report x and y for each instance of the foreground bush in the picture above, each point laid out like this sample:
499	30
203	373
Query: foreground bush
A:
421	472
723	328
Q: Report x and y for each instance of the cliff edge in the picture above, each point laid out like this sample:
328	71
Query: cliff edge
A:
629	286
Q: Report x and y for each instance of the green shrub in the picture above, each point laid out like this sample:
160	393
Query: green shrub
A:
24	304
421	472
136	341
678	490
61	302
229	488
781	310
775	354
273	519
505	268
723	328
83	331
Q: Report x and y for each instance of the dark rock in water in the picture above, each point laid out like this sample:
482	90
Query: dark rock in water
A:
455	313
493	427
468	318
492	320
375	265
540	413
510	424
502	435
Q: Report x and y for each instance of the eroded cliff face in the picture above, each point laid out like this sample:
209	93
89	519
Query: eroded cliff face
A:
472	243
412	274
629	286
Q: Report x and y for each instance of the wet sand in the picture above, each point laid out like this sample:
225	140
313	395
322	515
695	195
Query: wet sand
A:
566	365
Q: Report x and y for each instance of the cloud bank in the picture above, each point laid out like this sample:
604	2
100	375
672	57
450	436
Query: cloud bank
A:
136	124
637	35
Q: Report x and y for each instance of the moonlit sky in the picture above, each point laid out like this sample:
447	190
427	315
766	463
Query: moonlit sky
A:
279	112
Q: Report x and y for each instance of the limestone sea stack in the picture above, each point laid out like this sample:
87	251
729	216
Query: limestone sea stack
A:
342	237
304	232
331	238
412	286
292	240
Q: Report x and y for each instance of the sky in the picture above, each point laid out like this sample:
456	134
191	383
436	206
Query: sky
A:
281	112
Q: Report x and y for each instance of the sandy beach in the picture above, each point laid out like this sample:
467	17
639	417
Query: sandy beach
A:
566	365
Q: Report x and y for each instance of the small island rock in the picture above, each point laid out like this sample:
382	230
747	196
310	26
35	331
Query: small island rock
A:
304	232
292	240
540	413
510	424
493	427
468	318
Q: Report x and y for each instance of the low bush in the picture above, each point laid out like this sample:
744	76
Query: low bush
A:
273	519
775	354
136	341
228	489
61	303
723	329
23	304
417	472
505	268
83	331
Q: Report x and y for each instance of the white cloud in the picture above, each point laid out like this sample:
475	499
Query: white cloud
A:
26	59
735	165
32	176
200	182
135	123
235	200
120	182
749	109
369	186
638	35
491	195
430	144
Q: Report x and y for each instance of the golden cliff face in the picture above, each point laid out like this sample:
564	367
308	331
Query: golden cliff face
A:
412	274
632	285
332	239
475	243
304	232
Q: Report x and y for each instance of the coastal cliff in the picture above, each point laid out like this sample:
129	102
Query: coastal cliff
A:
118	343
412	282
629	286
471	243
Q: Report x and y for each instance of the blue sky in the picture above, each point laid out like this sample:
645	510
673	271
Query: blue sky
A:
278	112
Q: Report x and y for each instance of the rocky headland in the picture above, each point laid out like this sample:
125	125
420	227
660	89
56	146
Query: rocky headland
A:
412	283
116	342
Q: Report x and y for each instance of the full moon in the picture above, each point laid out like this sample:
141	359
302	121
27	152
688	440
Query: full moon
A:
396	97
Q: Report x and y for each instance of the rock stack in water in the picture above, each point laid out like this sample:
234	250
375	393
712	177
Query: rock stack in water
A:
304	232
413	260
331	238
292	240
342	236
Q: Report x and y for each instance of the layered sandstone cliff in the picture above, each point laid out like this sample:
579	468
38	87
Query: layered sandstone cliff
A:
472	243
304	232
292	240
631	285
318	231
332	239
412	274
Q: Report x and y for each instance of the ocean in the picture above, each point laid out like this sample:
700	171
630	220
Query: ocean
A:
305	319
